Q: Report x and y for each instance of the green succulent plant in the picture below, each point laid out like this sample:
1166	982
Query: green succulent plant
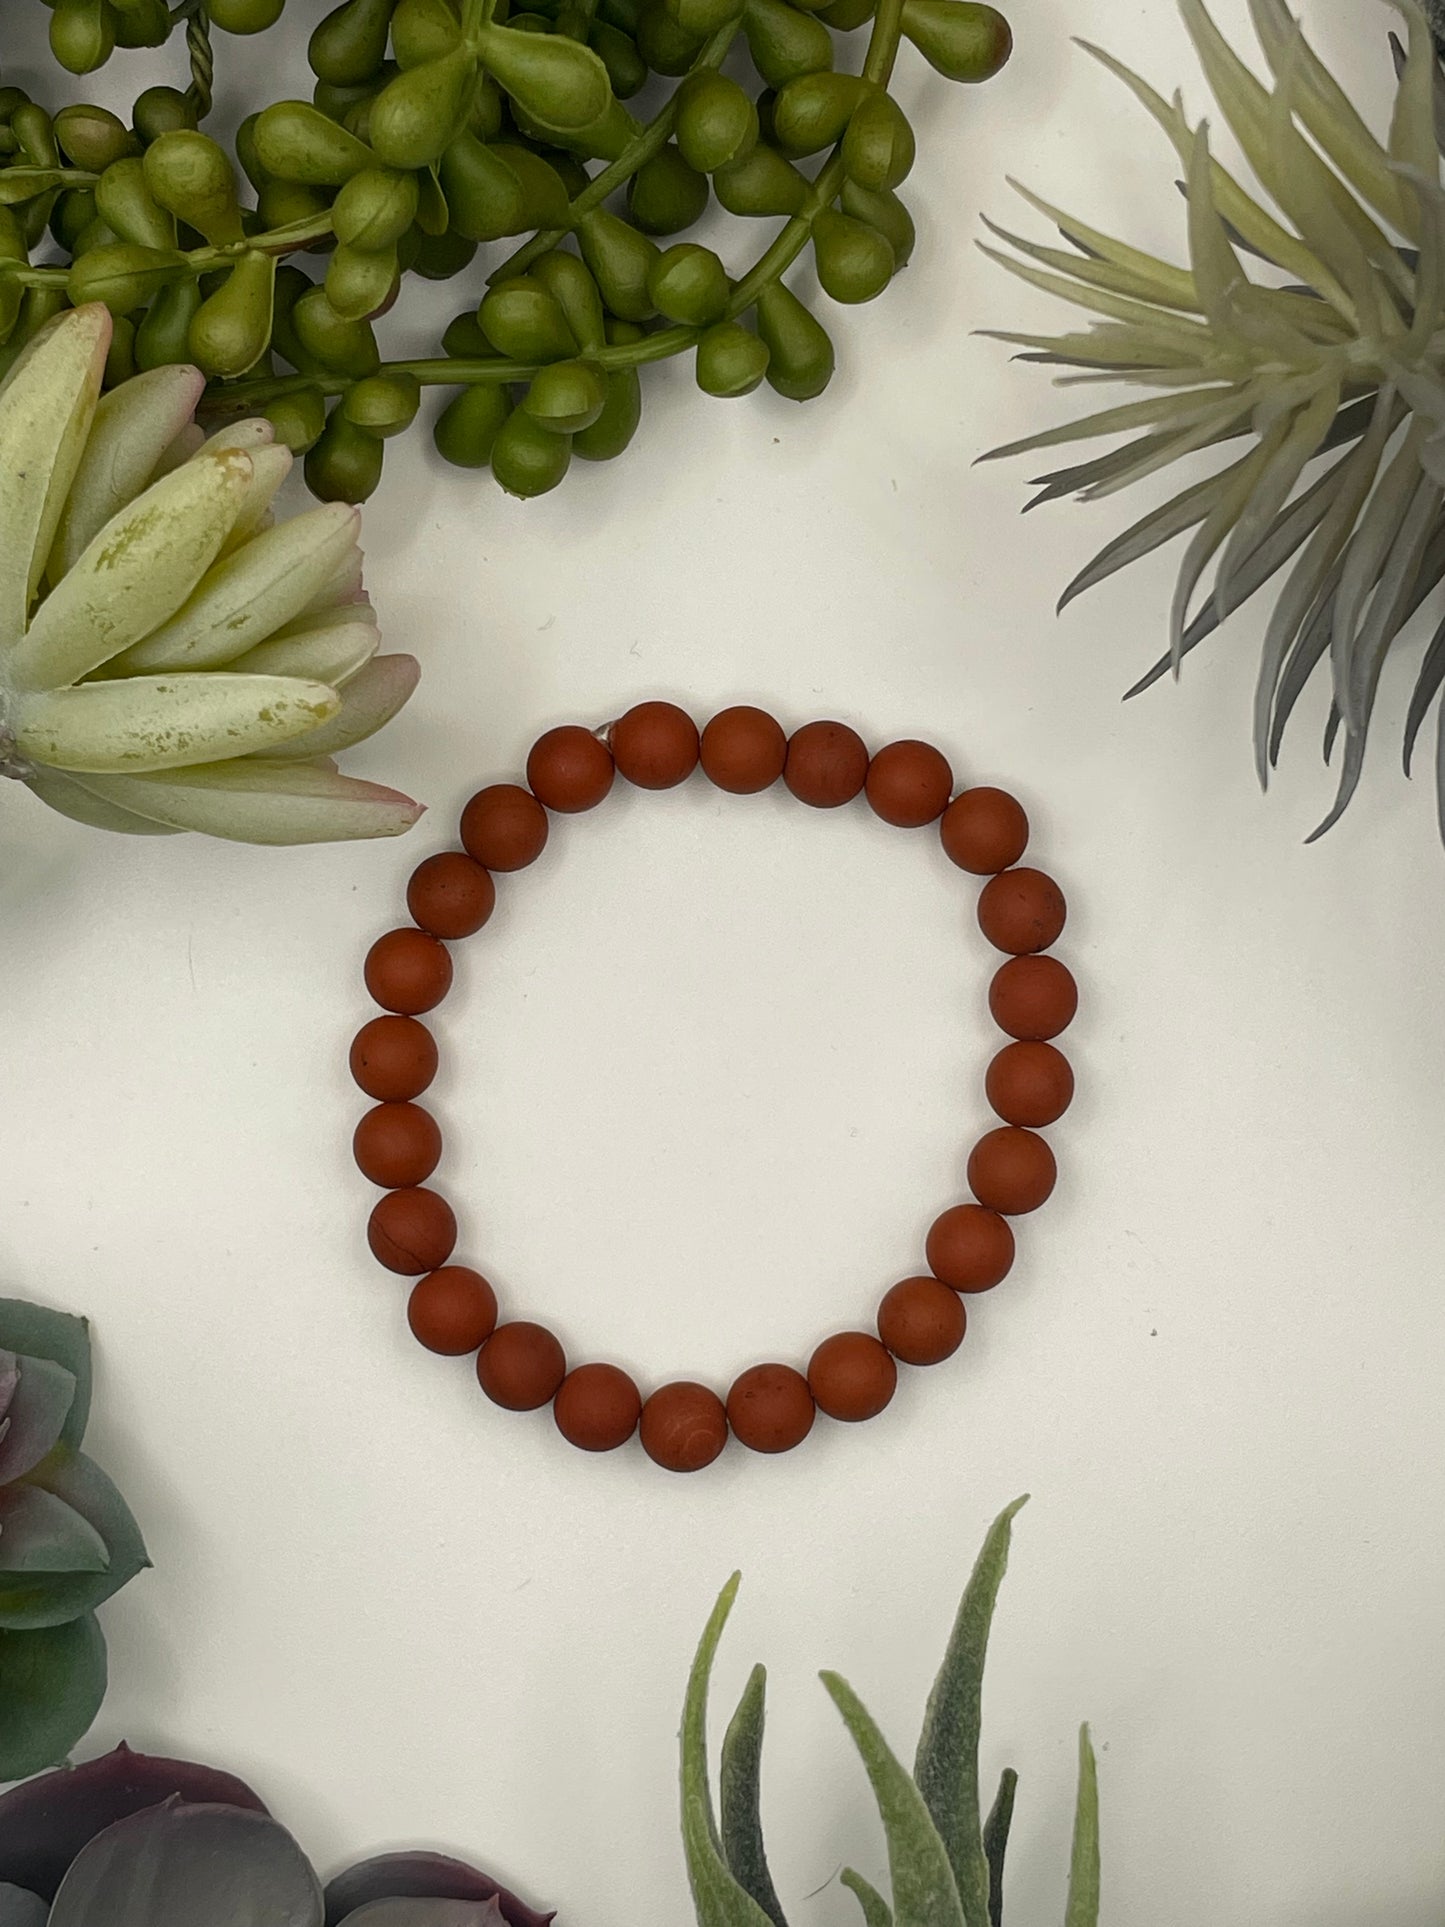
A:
1314	334
67	1542
171	658
439	128
945	1857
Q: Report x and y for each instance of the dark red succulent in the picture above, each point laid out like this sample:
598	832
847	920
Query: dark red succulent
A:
132	1841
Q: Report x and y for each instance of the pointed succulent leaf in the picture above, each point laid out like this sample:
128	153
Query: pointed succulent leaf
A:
35	1415
946	1768
45	1823
136	572
167	721
1427	687
329	651
1256	227
876	1911
368	702
995	1841
249	801
1082	1909
40	1534
249	595
35	1600
45	415
67	798
52	1681
422	1876
924	1891
719	1899
174	1866
37	1331
21	1909
270	465
740	1787
134	425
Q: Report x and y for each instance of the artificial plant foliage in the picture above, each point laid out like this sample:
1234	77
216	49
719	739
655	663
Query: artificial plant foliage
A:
1308	324
945	1864
68	1541
171	656
134	1841
439	128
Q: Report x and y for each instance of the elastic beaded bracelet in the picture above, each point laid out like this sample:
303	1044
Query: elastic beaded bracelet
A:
852	1375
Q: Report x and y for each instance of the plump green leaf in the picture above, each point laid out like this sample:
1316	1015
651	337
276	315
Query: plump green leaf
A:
179	1866
1082	1909
740	1785
717	1896
52	1681
40	1533
51	1599
56	1335
368	702
248	596
135	573
167	721
253	801
45	414
924	1891
68	798
946	1768
134	426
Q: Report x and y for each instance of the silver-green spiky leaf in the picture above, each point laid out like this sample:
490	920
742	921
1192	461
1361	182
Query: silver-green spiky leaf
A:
1309	319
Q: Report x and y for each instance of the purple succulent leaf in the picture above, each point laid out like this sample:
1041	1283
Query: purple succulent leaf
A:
21	1909
9	1379
427	1913
181	1866
29	1600
36	1332
45	1824
35	1417
40	1533
421	1876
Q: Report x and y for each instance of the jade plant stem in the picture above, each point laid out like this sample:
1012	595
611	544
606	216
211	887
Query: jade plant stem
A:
771	265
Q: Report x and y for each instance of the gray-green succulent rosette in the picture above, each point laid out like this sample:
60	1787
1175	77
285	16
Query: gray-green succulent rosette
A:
67	1542
134	1841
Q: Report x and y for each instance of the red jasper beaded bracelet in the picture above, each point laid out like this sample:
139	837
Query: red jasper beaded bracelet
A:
853	1374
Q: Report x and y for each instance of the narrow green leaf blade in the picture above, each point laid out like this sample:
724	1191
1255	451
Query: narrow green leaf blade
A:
995	1842
717	1897
52	1681
924	1892
741	1789
946	1769
1082	1909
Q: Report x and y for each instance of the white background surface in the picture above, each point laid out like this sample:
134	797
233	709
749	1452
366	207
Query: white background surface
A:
708	1077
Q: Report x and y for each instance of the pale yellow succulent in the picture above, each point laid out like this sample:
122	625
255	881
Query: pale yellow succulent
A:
171	656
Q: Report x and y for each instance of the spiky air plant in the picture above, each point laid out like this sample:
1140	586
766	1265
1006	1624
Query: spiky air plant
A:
67	1543
1314	334
171	658
131	1841
945	1861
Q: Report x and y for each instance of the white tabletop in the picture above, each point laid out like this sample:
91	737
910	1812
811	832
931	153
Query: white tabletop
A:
707	1078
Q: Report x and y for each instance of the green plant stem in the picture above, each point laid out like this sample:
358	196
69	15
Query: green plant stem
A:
653	138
